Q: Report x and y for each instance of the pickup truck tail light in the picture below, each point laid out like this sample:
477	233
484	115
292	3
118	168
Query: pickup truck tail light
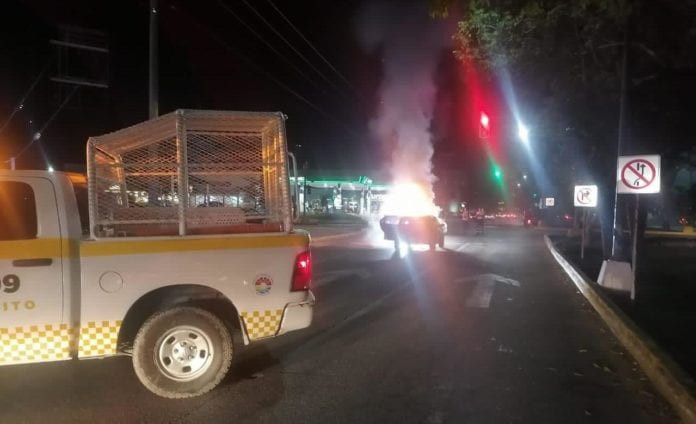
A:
302	272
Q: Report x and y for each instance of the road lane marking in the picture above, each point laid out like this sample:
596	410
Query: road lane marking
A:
330	276
462	247
480	296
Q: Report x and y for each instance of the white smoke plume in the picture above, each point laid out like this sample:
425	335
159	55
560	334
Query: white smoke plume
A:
411	44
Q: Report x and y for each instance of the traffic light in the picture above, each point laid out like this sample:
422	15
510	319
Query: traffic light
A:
484	126
497	173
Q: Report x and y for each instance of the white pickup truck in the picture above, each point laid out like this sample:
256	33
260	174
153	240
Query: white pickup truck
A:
180	236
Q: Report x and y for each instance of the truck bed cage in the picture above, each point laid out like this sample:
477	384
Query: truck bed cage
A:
191	172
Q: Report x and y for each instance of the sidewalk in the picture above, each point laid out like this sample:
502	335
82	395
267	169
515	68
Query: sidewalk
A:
320	232
329	226
665	305
337	218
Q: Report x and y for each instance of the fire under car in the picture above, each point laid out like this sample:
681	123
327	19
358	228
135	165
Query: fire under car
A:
413	230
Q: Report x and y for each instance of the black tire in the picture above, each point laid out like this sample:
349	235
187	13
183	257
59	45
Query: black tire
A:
204	338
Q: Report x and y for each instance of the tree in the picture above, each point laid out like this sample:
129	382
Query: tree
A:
565	62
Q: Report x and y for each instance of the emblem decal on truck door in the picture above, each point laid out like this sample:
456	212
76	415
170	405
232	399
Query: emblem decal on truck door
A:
263	284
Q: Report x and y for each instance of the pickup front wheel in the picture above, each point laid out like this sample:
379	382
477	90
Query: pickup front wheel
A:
182	352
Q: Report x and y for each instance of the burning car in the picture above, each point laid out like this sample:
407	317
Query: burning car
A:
425	229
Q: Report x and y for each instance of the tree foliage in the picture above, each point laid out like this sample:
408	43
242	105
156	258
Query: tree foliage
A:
564	59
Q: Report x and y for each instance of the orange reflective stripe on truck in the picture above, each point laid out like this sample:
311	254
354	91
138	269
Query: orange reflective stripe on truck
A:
55	248
133	247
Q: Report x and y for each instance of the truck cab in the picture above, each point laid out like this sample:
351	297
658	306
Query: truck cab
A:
39	236
179	238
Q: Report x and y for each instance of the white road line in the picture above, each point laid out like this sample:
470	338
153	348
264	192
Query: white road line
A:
330	276
462	247
480	296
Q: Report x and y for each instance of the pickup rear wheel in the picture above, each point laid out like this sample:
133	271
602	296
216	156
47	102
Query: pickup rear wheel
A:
182	352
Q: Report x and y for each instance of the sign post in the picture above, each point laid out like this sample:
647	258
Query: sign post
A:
585	197
639	174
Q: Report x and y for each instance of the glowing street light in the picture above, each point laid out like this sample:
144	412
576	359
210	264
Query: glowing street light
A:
523	133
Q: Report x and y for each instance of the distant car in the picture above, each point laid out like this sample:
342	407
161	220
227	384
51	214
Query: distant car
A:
212	204
531	219
427	229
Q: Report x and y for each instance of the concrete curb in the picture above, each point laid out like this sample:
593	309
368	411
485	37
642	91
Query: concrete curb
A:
669	379
670	234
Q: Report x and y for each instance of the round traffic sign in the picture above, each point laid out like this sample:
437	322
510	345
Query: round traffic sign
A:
638	174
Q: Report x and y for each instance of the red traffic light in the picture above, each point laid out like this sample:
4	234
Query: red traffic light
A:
485	121
485	125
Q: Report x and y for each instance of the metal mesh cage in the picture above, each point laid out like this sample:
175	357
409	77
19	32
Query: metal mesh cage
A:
191	172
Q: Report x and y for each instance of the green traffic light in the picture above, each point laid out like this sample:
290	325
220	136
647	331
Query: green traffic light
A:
497	172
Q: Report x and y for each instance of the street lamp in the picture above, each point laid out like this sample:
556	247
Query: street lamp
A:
523	132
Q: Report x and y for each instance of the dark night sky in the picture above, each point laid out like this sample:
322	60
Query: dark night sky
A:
208	59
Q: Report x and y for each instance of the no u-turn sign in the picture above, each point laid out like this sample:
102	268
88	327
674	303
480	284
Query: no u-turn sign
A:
638	174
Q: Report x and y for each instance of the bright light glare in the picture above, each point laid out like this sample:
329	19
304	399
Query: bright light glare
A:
484	120
409	199
50	168
523	132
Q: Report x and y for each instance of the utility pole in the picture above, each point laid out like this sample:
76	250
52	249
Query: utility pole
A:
153	79
617	250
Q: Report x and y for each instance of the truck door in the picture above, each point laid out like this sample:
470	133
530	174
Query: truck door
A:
32	328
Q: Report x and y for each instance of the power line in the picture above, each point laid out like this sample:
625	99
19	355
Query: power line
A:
333	68
20	105
267	74
263	40
276	32
38	134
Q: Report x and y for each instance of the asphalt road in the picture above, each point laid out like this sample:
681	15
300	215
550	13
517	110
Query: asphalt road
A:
488	330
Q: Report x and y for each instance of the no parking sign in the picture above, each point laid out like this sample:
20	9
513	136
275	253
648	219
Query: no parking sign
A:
638	174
